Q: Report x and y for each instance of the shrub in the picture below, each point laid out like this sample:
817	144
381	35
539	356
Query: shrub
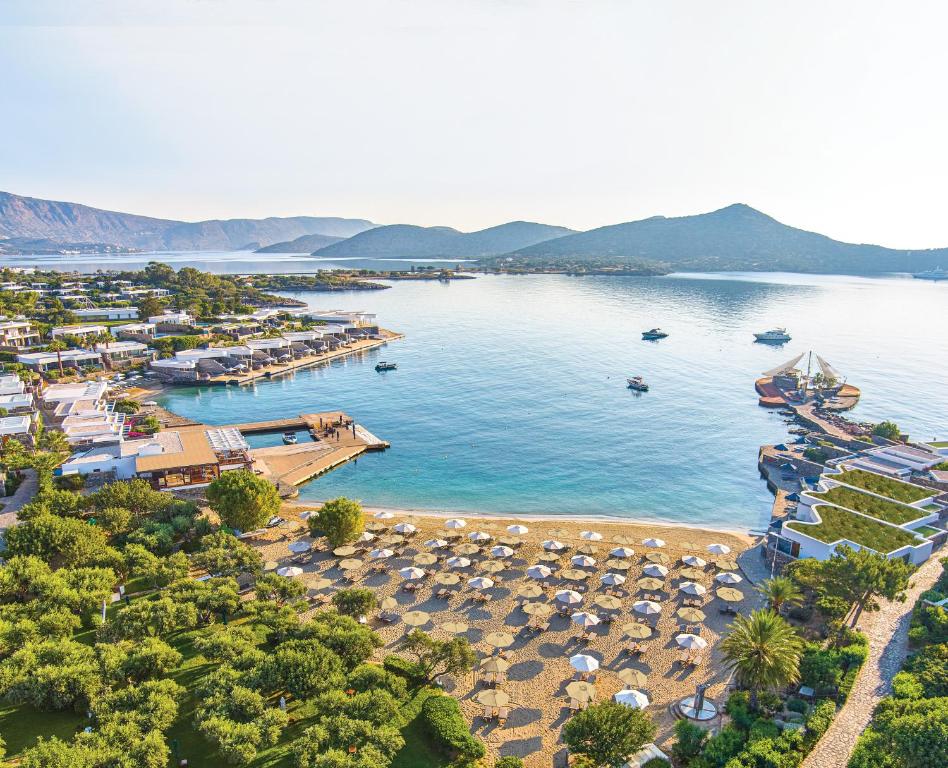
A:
404	668
510	762
763	729
656	762
769	703
820	719
906	686
721	747
371	677
442	718
797	705
738	707
690	739
801	613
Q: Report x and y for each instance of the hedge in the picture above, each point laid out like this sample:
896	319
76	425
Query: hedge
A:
442	718
402	667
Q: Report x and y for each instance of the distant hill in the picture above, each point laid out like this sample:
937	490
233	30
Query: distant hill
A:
43	246
30	217
304	244
406	241
734	238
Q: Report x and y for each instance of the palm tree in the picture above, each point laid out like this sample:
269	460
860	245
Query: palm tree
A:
58	347
764	652
780	591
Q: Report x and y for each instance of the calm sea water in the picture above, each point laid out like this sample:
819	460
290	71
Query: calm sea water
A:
510	392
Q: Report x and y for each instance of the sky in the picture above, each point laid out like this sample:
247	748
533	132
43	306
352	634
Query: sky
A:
827	116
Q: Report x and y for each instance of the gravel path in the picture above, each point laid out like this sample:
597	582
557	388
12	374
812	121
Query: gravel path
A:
887	631
12	504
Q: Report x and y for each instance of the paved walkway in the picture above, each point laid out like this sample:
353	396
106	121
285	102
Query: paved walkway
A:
12	504
887	631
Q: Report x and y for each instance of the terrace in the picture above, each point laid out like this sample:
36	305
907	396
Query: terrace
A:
881	509
837	524
884	486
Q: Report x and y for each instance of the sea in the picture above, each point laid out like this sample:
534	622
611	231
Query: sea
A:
510	393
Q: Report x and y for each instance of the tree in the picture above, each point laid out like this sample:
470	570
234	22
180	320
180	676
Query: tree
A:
608	733
351	736
136	495
862	576
764	652
280	589
153	705
51	675
218	595
243	500
223	554
887	429
303	668
354	602
339	520
150	618
439	657
689	739
128	661
150	307
780	591
58	347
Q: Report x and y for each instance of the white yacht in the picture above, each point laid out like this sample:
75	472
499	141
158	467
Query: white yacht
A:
773	335
931	274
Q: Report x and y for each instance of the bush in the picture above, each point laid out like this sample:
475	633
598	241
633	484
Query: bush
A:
769	703
800	613
404	668
738	707
820	719
763	729
797	705
689	739
721	747
906	686
70	482
509	762
657	762
442	718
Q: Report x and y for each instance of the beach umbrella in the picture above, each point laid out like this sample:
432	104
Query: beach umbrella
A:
510	541
691	588
583	561
499	639
493	697
538	572
530	591
480	582
694	561
517	530
612	579
552	545
718	549
650	585
494	664
632	677
321	583
271	565
454	627
728	578
573	574
558	533
686	544
569	596
624	540
730	595
537	609
350	564
391	539
657	557
454	524
616	564
467	549
583	662
380	554
383	515
653	542
389	604
693	615
416	618
691	574
691	641
289	570
492	566
365	538
374	527
608	602
631	697
458	562
447	579
585	619
622	552
306	515
636	631
581	691
436	543
404	528
501	551
655	571
424	558
479	536
647	607
299	547
344	551
411	573
590	536
725	564
549	557
587	549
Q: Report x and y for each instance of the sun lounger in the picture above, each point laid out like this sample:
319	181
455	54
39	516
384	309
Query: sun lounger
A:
696	660
502	714
574	705
488	714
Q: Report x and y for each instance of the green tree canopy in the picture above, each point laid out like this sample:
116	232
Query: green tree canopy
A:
764	652
340	521
223	554
243	500
608	733
354	602
439	657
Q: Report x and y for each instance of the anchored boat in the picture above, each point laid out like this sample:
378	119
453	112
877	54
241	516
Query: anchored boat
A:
383	366
289	438
654	334
778	335
638	384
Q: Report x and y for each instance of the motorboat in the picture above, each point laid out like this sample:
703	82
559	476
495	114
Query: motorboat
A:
383	366
778	335
289	438
931	274
654	334
638	384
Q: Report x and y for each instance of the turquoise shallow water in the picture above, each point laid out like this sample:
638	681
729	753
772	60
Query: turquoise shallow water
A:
510	392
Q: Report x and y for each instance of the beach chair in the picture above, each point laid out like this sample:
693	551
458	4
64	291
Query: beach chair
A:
696	660
488	714
682	657
502	714
574	705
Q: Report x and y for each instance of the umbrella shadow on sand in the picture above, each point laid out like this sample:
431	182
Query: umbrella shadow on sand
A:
525	670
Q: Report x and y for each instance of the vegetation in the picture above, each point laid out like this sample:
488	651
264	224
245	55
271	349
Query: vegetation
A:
354	602
780	591
439	657
608	733
887	429
340	521
837	524
243	500
764	652
884	486
444	722
881	509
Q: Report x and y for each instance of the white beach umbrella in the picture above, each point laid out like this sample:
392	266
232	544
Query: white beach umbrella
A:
306	515
582	662
622	552
436	543
583	561
299	547
411	573
693	561
686	640
383	515
289	570
458	562
692	588
612	579
585	619
501	551
366	537
479	536
655	571
404	528
454	523
590	536
728	578
480	582
552	545
380	554
517	530
653	542
647	607
718	549
538	572
569	596
630	697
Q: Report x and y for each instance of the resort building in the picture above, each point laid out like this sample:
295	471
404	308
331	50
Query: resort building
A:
172	318
107	313
16	427
22	401
135	331
11	384
18	334
897	460
139	293
70	358
77	330
125	351
82	413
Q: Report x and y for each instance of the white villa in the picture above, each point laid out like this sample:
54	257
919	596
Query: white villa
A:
18	333
77	330
107	313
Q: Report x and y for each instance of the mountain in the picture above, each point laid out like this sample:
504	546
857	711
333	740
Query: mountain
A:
304	244
406	241
734	238
30	217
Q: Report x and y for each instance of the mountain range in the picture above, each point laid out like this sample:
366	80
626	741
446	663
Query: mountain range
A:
737	237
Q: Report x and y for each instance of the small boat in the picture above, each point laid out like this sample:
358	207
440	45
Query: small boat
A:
638	384
773	335
289	438
383	366
654	334
931	274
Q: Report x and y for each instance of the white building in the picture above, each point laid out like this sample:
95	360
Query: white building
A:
135	329
107	313
18	333
15	426
77	330
125	350
11	384
71	358
138	293
172	318
19	402
82	413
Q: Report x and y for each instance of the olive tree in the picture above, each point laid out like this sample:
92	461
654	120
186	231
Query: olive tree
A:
243	500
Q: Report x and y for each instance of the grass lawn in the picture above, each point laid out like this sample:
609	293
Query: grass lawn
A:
884	486
21	724
417	752
927	530
842	524
890	511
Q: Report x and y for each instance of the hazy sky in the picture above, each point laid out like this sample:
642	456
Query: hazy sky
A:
829	116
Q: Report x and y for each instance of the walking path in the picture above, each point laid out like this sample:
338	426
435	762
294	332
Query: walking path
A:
12	504
887	631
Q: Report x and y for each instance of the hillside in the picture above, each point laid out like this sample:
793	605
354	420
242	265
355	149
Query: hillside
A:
734	238
30	217
304	244
408	241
